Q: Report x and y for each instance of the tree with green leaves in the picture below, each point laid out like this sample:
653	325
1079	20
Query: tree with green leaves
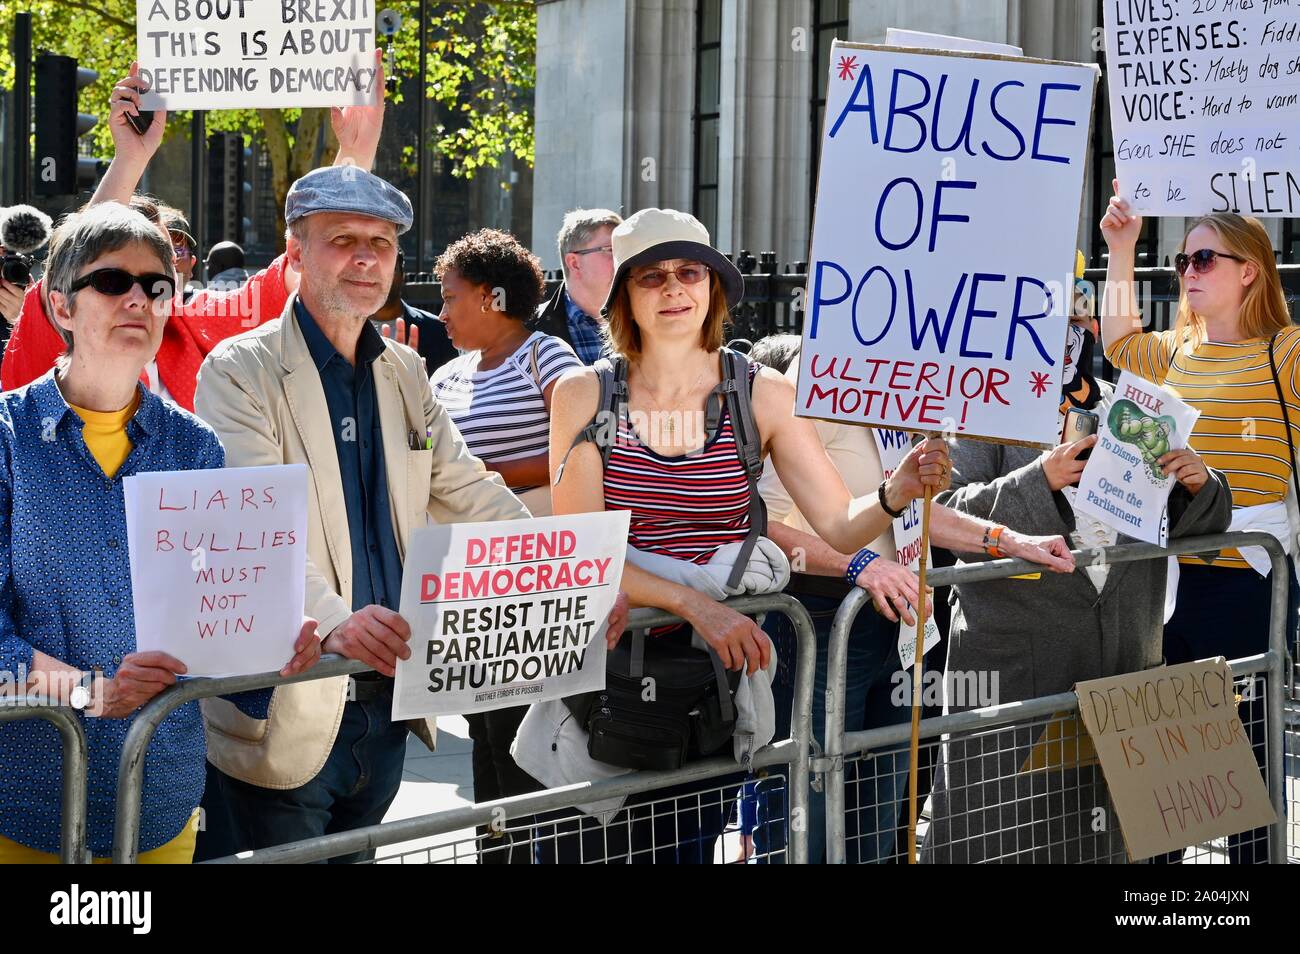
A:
481	70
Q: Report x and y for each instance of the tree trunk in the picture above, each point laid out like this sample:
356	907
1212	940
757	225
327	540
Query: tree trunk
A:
291	160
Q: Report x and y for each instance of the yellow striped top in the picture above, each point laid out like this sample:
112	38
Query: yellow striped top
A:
1240	431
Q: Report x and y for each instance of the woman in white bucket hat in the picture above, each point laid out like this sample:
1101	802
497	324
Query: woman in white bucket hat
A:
689	493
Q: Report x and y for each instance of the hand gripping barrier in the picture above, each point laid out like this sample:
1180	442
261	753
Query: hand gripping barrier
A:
1274	668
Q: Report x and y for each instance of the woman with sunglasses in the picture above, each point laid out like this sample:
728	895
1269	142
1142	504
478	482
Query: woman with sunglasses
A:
1234	355
689	495
68	441
206	318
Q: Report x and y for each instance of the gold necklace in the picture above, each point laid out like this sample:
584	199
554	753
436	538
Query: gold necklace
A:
659	405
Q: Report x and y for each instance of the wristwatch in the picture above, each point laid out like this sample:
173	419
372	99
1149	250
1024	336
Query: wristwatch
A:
884	502
80	697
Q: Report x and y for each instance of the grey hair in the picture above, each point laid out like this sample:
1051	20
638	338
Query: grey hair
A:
297	229
578	228
776	351
83	238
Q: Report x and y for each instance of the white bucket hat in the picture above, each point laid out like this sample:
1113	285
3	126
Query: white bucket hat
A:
656	235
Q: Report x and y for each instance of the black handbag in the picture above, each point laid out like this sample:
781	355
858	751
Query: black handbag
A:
663	704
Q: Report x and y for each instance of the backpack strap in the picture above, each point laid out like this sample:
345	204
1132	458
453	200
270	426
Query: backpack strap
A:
602	429
735	391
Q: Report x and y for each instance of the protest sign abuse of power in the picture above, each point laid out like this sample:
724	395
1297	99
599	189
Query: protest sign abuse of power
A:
943	245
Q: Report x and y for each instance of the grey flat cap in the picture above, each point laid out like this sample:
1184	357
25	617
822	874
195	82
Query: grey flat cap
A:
347	189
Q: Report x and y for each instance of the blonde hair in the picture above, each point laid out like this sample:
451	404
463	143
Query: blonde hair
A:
624	337
1264	310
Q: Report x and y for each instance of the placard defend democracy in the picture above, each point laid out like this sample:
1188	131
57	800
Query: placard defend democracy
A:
1205	105
947	208
233	54
507	613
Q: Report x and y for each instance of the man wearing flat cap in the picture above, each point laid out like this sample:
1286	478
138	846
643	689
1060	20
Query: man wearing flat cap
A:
321	386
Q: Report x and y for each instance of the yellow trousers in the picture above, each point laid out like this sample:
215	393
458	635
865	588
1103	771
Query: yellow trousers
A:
178	851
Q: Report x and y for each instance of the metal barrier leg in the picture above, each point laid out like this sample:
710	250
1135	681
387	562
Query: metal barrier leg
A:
76	765
1275	696
836	665
801	727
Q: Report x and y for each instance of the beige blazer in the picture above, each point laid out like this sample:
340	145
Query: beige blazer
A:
262	394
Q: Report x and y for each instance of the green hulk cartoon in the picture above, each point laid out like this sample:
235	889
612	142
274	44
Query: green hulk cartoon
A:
1150	435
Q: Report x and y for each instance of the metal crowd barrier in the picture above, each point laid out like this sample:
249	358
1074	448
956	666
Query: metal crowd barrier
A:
793	753
76	768
1001	733
130	767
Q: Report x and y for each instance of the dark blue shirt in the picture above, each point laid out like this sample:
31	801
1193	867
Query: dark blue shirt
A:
65	590
359	442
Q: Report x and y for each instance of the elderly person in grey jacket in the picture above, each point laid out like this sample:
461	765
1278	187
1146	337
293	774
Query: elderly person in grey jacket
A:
1021	795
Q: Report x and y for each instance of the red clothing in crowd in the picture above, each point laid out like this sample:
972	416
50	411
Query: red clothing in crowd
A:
194	329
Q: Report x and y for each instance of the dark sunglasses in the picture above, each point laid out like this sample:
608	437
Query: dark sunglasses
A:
690	274
118	281
1201	260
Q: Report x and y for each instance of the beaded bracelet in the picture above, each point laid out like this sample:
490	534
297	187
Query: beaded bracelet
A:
861	560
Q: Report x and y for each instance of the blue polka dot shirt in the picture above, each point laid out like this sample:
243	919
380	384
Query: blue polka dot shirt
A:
65	590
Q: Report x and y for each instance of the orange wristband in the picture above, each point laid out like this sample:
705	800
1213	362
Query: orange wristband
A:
993	541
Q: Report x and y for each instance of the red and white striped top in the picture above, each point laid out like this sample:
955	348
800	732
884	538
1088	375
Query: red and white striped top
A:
685	507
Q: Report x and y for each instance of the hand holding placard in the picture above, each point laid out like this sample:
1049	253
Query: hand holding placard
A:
218	567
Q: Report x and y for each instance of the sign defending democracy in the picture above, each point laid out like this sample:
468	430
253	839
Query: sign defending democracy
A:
219	565
272	54
507	613
1205	105
943	246
1176	757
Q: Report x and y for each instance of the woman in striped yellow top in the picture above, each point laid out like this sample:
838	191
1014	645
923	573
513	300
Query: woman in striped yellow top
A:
1232	318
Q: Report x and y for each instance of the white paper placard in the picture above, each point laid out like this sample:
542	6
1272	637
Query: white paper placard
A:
245	54
507	613
1121	485
893	447
1205	105
944	242
218	565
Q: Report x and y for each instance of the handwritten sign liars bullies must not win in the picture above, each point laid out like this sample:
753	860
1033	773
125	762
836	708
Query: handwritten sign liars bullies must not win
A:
218	565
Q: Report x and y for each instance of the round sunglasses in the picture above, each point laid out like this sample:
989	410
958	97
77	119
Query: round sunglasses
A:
118	281
1201	261
691	273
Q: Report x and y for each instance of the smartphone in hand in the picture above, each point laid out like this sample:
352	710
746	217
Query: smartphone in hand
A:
1078	425
142	122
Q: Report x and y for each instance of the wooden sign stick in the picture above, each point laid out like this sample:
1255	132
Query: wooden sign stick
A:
918	664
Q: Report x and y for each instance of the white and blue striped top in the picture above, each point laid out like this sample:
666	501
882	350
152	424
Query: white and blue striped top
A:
501	413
